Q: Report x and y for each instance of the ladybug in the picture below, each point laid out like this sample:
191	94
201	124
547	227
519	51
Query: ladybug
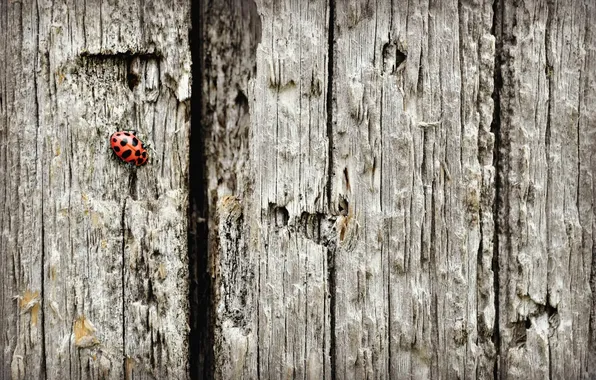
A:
129	148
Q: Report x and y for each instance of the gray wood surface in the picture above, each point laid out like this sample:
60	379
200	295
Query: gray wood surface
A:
547	249
231	32
395	189
270	262
450	253
94	267
413	92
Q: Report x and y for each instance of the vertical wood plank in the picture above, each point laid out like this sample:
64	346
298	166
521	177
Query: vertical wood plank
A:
231	32
477	67
546	250
413	175
269	231
569	265
22	202
286	213
587	183
110	258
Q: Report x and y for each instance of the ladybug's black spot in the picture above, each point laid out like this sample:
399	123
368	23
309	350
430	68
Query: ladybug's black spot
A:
118	134
116	149
124	142
126	153
135	142
144	154
139	161
114	139
138	153
126	134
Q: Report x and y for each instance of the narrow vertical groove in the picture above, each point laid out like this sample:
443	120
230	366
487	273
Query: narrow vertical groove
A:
4	187
37	160
591	362
123	279
462	115
331	273
547	141
201	321
330	63
496	130
578	142
332	284
592	326
436	367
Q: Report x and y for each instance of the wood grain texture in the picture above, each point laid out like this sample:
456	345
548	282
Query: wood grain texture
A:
286	216
413	164
459	232
22	173
546	254
231	32
272	308
101	245
394	189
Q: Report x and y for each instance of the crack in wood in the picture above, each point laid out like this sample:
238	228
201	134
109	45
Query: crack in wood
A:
496	30
123	279
201	319
549	157
317	227
331	260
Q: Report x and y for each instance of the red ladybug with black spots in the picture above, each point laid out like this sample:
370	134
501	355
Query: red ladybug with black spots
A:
127	146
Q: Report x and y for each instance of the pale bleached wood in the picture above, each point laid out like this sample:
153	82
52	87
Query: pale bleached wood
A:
104	243
285	209
587	180
418	292
289	146
547	210
413	162
22	200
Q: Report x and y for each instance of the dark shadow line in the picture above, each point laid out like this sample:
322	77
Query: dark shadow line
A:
201	325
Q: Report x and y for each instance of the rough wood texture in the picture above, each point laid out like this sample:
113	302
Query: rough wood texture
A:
546	208
395	189
290	153
94	250
287	224
420	280
413	172
230	34
270	264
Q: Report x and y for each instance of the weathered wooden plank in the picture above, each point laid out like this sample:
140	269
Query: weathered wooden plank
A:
230	34
477	46
587	183
111	238
84	238
413	173
289	148
286	315
7	196
545	255
22	202
398	256
569	262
